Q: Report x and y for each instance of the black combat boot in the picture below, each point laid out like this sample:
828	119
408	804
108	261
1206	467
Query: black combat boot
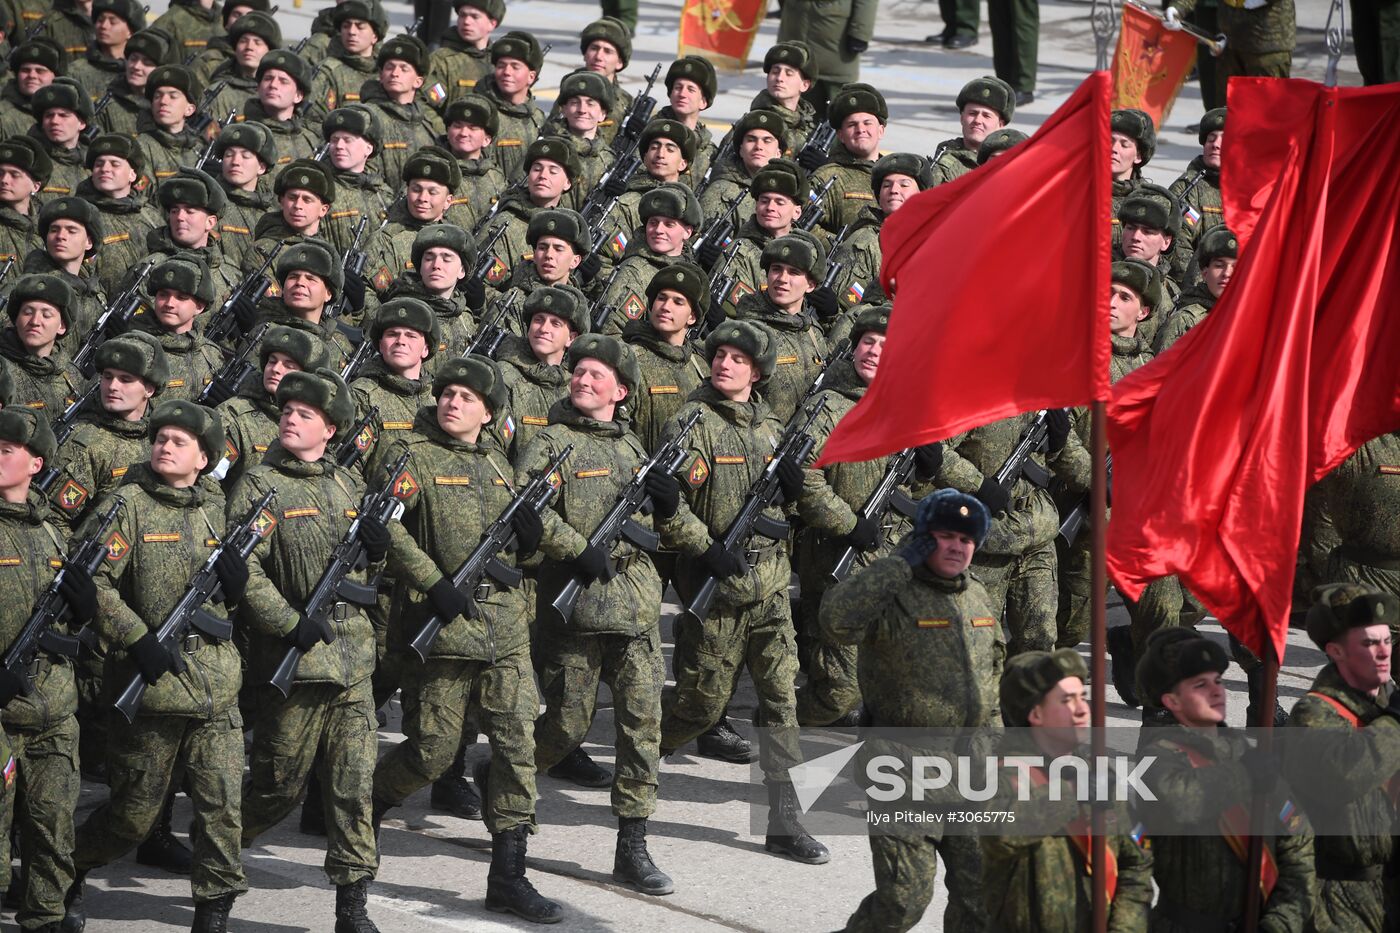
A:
1256	691
212	916
578	768
377	811
74	914
632	864
161	849
1119	641
350	913
313	808
481	773
453	793
507	888
720	741
785	834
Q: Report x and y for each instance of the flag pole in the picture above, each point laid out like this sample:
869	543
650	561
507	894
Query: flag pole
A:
1258	817
1098	634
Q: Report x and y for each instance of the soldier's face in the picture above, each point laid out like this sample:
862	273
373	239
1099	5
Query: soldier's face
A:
1061	719
514	77
861	133
16	185
787	285
667	235
554	259
474	25
190	226
39	324
304	291
686	97
602	57
349	152
303	210
670	313
278	365
866	356
304	430
278	92
732	372
467	139
1125	310
1145	243
1197	701
177	456
1217	274
31	77
113	175
461	413
1211	151
895	190
663	160
62	127
399	77
1362	657
403	349
547	180
67	240
441	269
176	310
427	200
241	167
110	29
774	211
248	51
17	465
595	389
757	149
1122	155
977	121
787	84
583	114
952	553
357	36
138	69
549	335
170	107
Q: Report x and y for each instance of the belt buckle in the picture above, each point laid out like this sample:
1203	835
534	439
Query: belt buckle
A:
751	556
623	562
482	592
340	611
192	643
34	667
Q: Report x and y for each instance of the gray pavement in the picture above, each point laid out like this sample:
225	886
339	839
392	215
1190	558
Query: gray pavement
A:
433	867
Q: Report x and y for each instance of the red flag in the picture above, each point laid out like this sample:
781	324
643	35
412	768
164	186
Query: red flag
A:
1150	63
1215	442
720	30
1002	298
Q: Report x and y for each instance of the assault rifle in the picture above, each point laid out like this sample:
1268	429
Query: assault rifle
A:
63	427
513	188
349	453
1019	462
206	155
113	321
629	130
845	350
189	612
599	204
51	610
603	312
1073	523
492	331
93	130
482	562
881	499
357	360
724	154
242	300
815	208
1186	209
202	115
818	143
795	444
721	284
723	224
235	370
321	152
352	263
618	522
335	585
4	272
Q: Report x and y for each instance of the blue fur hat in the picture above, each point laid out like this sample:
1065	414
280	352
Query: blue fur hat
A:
950	510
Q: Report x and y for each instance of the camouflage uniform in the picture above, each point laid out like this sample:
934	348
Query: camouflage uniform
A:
190	26
93	461
193	361
802	352
520	126
932	657
88	300
1362	499
238	88
95	71
512	248
389	253
238	220
125	111
851	191
125	224
45	382
189	722
799	123
613	634
16	111
482	183
1350	758
1191	309
18	237
69	26
166	153
457	67
339	78
705	149
224	272
69	168
533	390
330	709
484	664
250	426
628	293
859	255
747	265
42	728
357	194
403	129
397	398
1201	879
729	179
295	138
594	158
668	375
1203	207
1259	42
455	319
338	348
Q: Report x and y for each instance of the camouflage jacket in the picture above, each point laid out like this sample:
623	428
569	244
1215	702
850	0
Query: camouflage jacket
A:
1271	28
859	254
250	427
520	125
594	159
18	237
1074	465
511	249
457	67
89	301
534	388
238	221
295	138
95	71
1202	207
357	194
48	382
705	148
190	25
800	122
482	183
16	111
802	352
398	400
627	295
128	105
237	88
338	347
954	161
1362	497
69	168
338	81
125	224
1191	309
729	179
851	191
93	461
669	375
456	320
403	129
193	360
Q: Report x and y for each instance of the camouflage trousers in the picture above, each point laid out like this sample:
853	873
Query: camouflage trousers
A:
436	700
1025	588
905	871
1074	613
145	760
831	690
708	659
44	795
93	708
1163	603
338	722
571	666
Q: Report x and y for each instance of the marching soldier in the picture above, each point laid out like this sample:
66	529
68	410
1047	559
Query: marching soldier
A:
606	45
167	141
406	333
613	635
533	368
516	60
780	191
1200	770
932	657
41	728
114	22
464	56
309	279
669	217
550	169
220	47
430	176
558	241
17	191
984	104
145	52
127	215
284	80
360	25
250	38
352	132
670	366
191	203
72	232
480	664
1216	254
62	112
246	152
330	708
667	149
1149	221
181	289
584	101
34	63
1198	188
858	113
305	192
894	179
44	377
188	731
750	622
443	257
472	123
759	137
1133	142
405	124
789	72
691	87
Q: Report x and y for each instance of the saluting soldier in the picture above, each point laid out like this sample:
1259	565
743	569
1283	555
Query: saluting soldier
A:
984	104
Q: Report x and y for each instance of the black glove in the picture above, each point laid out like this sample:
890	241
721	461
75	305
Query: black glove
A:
232	571
993	496
591	565
790	480
824	302
448	601
355	293
665	493
151	659
615	186
866	535
528	531
590	267
811	159
474	291
245	314
1263	766
928	460
304	636
721	564
1057	425
11	685
79	592
217	394
375	537
855	46
711	250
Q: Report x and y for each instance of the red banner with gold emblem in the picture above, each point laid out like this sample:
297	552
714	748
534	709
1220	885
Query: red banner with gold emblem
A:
721	30
1150	64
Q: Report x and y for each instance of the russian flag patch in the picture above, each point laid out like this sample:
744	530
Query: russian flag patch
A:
618	244
1191	215
856	293
437	93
